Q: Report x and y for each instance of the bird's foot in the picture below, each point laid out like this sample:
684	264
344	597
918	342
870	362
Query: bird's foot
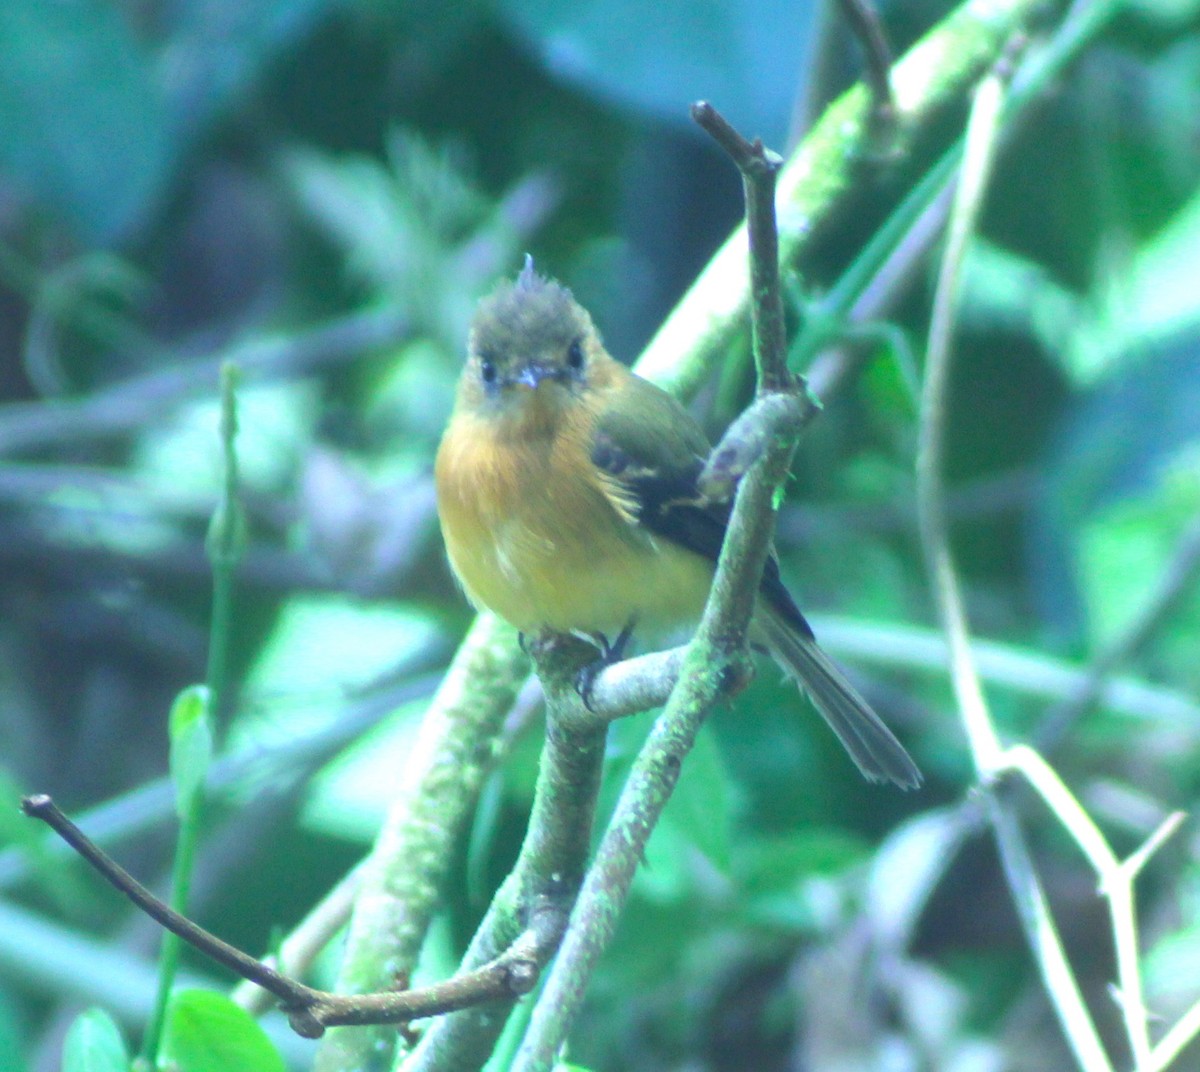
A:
609	654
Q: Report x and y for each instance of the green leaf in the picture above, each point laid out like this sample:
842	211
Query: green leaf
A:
190	728
325	647
82	121
349	797
94	1044
1159	298
1119	443
1170	971
1154	296
699	807
206	1032
776	863
1006	292
786	879
1124	548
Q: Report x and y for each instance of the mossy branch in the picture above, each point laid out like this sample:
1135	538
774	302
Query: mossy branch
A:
553	857
402	879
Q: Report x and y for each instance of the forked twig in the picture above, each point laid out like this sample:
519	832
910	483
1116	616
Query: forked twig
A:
309	1010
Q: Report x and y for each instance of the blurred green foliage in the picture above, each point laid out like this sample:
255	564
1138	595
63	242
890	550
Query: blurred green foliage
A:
206	1032
94	1044
322	190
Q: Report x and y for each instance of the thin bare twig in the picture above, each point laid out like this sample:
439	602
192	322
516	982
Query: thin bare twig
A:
306	940
759	168
987	752
281	762
863	20
42	807
311	1011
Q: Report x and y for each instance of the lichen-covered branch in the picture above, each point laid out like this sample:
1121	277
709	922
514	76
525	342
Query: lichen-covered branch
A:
439	783
550	866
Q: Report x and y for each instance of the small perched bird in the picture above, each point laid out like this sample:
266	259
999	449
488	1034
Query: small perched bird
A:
567	494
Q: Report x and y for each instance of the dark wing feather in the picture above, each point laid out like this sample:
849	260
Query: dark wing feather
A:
655	457
651	453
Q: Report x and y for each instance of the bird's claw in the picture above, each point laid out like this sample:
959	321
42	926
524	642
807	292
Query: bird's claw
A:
585	680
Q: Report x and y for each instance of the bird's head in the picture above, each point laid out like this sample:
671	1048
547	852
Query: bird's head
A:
531	350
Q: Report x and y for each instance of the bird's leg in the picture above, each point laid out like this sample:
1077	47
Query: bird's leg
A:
609	654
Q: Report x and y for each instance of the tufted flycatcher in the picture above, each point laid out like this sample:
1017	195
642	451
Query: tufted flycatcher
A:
566	488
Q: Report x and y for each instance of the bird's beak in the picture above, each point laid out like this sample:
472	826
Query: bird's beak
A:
531	375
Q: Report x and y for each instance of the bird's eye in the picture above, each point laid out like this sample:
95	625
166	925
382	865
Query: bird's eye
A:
575	354
487	370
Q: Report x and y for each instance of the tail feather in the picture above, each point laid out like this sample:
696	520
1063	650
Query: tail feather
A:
871	745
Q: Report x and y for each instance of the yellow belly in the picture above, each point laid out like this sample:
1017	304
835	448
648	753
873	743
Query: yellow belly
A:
544	548
569	588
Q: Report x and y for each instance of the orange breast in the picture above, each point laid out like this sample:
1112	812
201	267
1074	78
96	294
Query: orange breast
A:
533	537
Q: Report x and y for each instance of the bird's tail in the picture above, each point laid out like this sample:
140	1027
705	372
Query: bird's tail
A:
870	743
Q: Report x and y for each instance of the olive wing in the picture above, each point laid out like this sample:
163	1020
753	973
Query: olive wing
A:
651	452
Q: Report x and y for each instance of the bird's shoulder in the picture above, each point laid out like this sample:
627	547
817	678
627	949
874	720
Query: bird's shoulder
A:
642	431
650	452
